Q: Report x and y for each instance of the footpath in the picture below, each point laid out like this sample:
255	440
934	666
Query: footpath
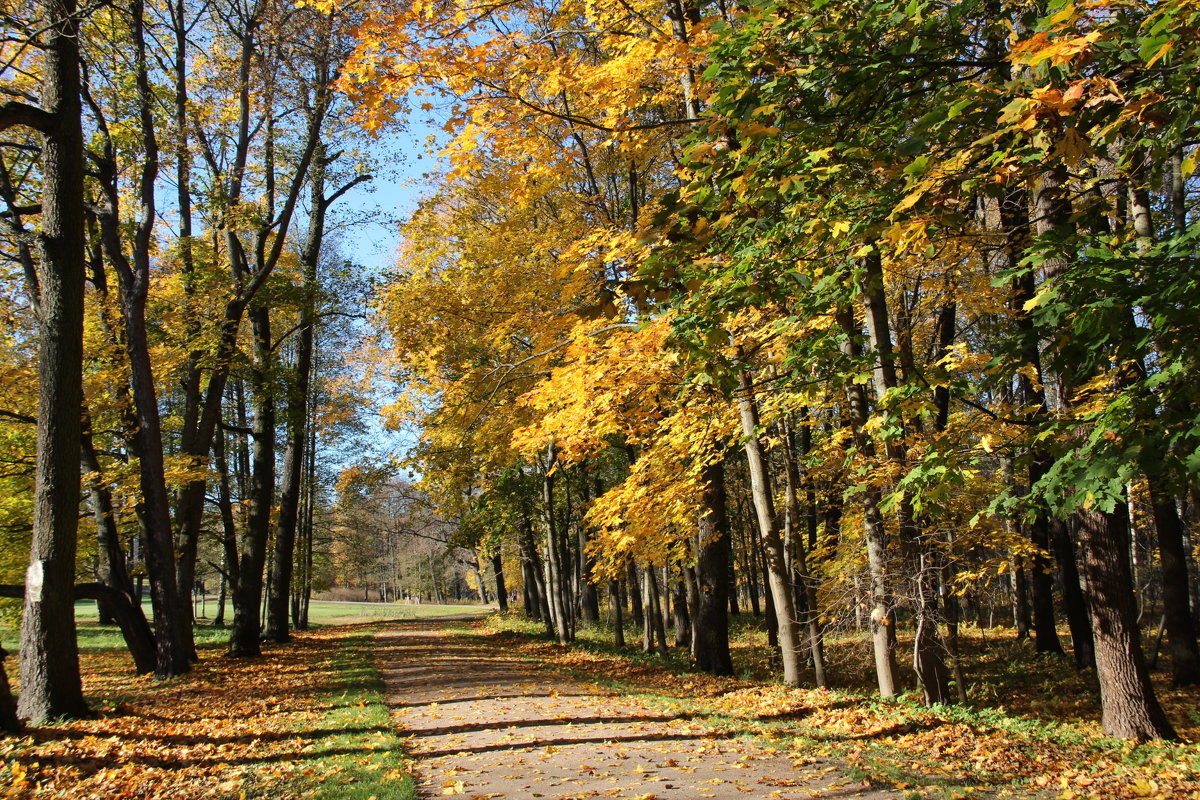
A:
482	724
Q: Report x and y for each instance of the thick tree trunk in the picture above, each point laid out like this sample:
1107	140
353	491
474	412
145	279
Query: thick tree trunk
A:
711	626
49	662
1130	708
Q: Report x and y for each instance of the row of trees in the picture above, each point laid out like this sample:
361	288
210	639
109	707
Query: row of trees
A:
905	289
167	175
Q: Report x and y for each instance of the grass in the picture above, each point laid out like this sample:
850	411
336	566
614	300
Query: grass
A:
94	637
361	758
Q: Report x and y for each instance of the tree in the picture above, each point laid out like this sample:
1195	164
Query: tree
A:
51	685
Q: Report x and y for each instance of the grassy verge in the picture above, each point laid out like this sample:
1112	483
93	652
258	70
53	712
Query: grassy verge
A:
360	757
1042	740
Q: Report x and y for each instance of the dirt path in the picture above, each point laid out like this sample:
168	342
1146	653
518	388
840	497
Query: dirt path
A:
484	725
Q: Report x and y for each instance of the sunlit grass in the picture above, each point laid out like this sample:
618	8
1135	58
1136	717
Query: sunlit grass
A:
94	636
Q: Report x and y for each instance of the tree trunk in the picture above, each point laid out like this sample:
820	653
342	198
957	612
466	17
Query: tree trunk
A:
773	552
9	722
636	612
1181	635
614	594
554	554
296	415
113	571
498	574
928	647
679	609
873	527
1130	708
127	614
655	636
1073	598
1020	593
806	590
248	595
713	556
49	658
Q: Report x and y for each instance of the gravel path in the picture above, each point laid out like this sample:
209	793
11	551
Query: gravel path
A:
484	725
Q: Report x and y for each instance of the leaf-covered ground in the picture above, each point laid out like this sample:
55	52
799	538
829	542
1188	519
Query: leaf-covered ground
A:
305	721
1031	730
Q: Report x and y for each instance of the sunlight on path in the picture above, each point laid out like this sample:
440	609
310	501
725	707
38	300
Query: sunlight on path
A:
483	725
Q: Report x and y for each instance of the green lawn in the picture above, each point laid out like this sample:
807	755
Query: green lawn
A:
93	636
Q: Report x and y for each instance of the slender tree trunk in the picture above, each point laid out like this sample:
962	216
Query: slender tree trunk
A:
806	591
656	631
1181	634
248	595
498	574
682	620
614	594
928	646
297	413
875	533
636	612
554	554
113	570
1020	592
775	557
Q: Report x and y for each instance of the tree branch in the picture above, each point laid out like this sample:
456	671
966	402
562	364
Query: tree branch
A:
14	112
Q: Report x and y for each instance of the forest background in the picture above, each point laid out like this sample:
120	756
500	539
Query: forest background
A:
876	318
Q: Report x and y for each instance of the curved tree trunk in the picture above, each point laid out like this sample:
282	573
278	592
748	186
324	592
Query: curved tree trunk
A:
139	639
